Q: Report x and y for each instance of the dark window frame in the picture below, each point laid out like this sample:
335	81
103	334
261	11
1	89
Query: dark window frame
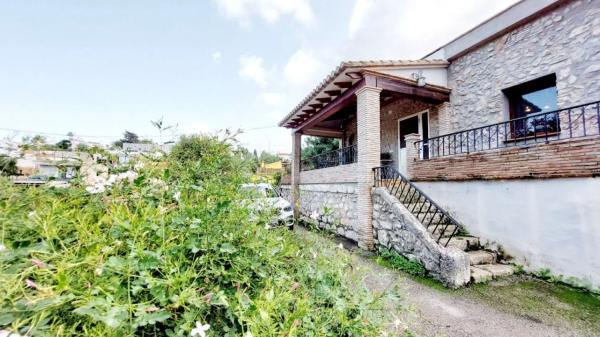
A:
521	128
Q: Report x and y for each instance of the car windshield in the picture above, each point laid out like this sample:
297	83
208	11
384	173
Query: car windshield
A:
261	190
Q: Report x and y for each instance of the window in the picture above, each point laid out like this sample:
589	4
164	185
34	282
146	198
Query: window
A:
529	103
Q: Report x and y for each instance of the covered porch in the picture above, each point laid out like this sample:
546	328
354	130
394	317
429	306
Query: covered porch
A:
369	107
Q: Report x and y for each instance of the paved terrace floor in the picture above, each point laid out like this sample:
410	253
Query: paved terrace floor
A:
516	306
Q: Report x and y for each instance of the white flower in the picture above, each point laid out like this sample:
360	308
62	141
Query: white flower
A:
177	196
31	214
157	155
314	215
248	334
2	247
98	271
341	246
138	166
4	333
200	329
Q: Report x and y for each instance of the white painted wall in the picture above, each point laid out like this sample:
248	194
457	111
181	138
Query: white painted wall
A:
550	223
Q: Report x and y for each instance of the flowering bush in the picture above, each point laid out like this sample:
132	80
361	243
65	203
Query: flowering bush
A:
171	251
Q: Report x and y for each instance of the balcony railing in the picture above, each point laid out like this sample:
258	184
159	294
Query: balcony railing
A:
343	156
573	122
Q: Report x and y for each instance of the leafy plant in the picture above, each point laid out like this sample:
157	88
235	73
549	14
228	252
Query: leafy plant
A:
174	250
397	261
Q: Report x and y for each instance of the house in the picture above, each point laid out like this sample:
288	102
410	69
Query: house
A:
484	151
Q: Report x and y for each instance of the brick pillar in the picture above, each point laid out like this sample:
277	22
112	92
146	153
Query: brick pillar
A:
443	118
295	188
369	152
412	153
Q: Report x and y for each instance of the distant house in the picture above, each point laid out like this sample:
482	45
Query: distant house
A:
495	133
56	164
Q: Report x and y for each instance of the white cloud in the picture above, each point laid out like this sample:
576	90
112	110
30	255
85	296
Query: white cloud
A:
216	56
359	13
251	68
271	98
401	29
302	68
268	10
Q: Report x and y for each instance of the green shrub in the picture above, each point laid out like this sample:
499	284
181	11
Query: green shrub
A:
156	256
397	261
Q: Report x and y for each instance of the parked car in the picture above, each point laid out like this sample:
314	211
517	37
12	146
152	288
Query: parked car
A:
267	199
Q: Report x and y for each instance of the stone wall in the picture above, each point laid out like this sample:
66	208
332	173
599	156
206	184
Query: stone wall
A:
397	229
565	42
558	159
401	108
336	174
330	206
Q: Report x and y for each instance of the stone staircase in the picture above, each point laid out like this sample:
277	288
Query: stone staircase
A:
484	263
447	232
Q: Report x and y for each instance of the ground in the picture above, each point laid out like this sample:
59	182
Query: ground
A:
514	306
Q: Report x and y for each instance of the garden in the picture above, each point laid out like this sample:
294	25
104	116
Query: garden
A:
167	246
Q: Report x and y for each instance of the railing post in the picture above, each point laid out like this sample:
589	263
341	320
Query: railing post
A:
412	153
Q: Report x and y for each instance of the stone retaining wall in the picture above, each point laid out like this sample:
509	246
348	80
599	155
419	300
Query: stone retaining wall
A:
397	229
330	206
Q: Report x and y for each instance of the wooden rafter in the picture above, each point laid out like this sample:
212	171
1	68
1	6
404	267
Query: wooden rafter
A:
343	85
333	92
324	99
316	106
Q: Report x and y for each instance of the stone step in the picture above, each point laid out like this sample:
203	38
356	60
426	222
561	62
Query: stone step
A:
441	230
497	270
463	242
418	207
479	275
486	272
481	257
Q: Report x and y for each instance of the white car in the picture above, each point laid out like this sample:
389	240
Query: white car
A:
268	199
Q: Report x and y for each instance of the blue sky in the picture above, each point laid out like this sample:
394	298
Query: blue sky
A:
99	67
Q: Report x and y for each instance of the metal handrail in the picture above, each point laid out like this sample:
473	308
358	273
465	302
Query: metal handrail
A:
427	211
572	122
341	156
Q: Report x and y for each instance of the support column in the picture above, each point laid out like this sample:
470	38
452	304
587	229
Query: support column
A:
369	153
412	153
295	188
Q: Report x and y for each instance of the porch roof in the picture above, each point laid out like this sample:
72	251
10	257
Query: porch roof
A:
337	90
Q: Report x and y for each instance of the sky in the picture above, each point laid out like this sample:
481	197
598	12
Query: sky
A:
99	67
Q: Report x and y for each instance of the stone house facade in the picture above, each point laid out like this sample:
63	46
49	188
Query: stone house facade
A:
510	106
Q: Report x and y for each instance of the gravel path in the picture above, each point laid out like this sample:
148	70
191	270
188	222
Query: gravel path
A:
427	311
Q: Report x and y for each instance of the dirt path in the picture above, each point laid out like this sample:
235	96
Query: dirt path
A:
428	311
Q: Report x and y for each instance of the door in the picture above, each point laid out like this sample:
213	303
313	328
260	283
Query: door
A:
419	124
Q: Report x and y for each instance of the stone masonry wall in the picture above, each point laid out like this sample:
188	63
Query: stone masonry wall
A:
565	42
397	229
336	174
557	159
331	206
400	108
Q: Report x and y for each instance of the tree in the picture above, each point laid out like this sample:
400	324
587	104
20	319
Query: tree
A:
128	137
64	144
317	145
159	124
268	158
8	166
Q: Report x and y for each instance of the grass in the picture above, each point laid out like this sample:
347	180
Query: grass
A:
539	300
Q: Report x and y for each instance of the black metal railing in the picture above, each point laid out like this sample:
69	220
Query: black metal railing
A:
343	156
573	122
435	219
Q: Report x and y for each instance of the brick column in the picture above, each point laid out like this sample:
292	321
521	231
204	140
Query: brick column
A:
295	188
369	152
412	153
443	119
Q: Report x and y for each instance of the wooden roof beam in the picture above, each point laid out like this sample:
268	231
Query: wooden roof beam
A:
324	99
343	85
316	106
333	92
